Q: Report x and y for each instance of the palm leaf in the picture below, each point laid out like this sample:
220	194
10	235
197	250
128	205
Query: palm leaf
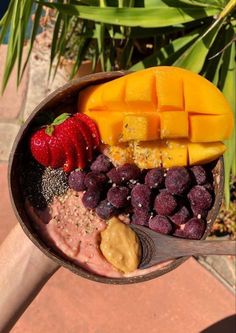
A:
167	54
34	31
194	57
132	17
228	85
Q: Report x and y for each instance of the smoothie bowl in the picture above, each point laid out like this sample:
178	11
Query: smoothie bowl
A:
114	149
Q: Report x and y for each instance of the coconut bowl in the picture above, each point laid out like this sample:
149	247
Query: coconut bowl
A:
66	96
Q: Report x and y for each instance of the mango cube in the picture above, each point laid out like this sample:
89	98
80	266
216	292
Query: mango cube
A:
174	124
200	153
147	155
141	127
169	89
201	96
141	97
210	128
90	99
109	125
113	96
174	153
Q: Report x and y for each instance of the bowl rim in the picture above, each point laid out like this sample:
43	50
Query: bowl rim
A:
77	85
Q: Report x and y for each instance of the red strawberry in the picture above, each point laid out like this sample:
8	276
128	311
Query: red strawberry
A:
92	126
68	142
87	135
70	132
40	148
58	157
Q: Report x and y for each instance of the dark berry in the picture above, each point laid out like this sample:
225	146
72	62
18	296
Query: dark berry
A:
91	198
114	176
141	196
95	180
160	224
76	180
118	196
200	198
105	210
155	178
178	180
129	172
209	187
181	216
165	203
194	228
199	174
101	164
140	217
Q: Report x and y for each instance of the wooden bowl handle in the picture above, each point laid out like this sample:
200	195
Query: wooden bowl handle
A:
24	270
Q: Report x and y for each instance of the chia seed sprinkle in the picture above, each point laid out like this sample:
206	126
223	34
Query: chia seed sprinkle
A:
41	184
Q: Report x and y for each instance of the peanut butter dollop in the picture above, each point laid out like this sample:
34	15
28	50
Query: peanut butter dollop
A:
120	246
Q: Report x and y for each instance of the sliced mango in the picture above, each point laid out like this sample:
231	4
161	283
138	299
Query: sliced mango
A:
110	128
141	99
169	89
167	103
141	127
204	128
174	153
200	153
174	124
201	96
147	155
119	154
91	99
114	96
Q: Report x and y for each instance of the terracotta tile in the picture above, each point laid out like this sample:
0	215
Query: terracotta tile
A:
11	103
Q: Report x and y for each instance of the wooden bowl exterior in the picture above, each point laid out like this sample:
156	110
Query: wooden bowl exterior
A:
62	97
